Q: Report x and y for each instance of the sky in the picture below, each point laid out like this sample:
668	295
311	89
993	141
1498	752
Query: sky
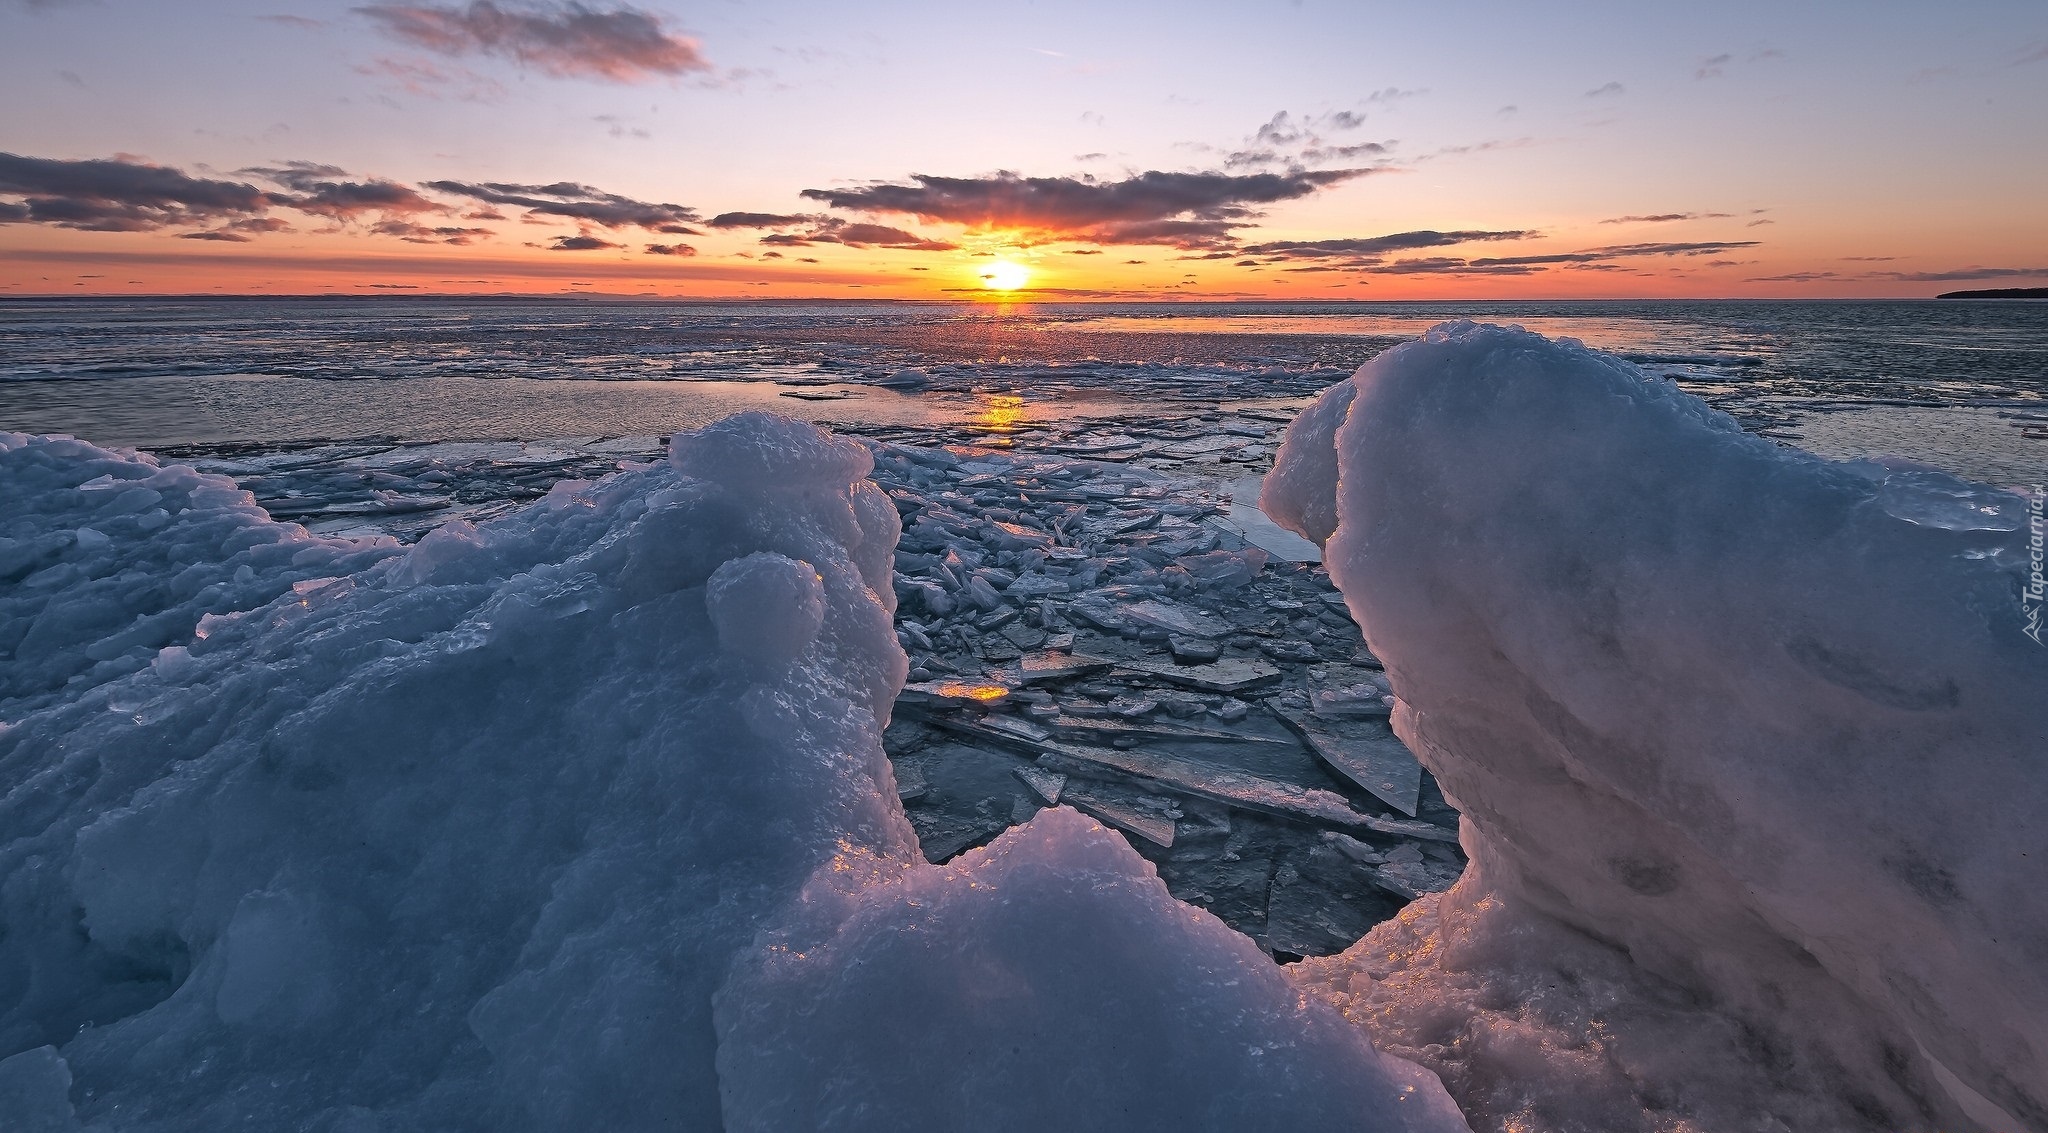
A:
1084	150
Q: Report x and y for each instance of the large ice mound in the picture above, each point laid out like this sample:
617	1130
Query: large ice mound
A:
1047	981
305	833
1750	749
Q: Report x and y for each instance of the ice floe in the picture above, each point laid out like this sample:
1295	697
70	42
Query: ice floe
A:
1748	747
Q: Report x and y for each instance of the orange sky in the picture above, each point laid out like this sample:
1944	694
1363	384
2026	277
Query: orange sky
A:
1203	150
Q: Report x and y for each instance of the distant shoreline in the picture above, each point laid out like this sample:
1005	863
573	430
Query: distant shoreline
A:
1998	293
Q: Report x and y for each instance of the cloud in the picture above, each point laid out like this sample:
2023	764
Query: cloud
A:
1961	274
1593	258
1365	247
1795	277
1388	96
1622	251
322	192
881	236
126	195
618	127
584	243
1188	235
116	195
670	250
1606	91
821	229
1667	217
425	79
1487	146
1287	142
576	202
1188	210
422	234
1715	66
566	40
761	219
240	231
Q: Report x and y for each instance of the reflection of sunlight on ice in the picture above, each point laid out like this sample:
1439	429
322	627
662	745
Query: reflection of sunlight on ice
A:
1000	413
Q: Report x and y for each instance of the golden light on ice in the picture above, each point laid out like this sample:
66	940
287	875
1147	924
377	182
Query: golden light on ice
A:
1003	275
1000	413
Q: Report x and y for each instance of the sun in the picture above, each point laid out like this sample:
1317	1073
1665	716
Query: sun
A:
1004	275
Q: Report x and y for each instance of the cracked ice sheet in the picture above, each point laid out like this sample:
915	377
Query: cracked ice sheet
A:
1717	702
322	833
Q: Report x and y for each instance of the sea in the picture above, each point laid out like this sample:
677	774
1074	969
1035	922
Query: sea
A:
1958	385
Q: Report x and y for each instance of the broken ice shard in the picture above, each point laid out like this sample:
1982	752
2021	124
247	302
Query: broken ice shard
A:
1364	751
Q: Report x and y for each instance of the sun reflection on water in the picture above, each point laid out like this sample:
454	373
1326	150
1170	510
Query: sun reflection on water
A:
1000	414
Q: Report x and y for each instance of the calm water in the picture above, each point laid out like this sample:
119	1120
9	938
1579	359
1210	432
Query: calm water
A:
1959	384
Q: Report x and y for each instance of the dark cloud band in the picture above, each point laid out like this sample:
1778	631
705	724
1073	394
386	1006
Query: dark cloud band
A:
576	202
1090	210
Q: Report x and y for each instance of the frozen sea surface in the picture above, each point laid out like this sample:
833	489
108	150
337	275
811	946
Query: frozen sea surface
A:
1849	379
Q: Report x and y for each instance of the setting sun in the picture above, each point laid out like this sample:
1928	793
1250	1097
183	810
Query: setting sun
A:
1003	275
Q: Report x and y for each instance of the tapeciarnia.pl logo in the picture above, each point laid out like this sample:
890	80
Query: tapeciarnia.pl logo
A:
2035	596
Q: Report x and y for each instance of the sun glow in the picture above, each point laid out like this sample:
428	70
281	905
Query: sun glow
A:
1003	275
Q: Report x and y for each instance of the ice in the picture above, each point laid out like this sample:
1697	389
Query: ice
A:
1230	675
1045	784
766	607
1749	760
1044	668
35	1092
947	998
105	559
1106	804
1365	752
1227	785
304	832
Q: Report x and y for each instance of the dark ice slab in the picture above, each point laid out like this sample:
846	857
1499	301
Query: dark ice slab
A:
1364	751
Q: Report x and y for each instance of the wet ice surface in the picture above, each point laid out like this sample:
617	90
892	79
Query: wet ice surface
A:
1091	620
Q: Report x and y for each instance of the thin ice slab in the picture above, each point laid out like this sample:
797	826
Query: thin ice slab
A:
1146	730
1225	785
1248	522
1230	676
1051	666
1174	618
953	694
1104	807
1047	785
1364	751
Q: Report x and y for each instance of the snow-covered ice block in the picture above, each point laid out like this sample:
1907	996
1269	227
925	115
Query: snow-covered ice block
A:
106	558
1723	705
1047	981
458	837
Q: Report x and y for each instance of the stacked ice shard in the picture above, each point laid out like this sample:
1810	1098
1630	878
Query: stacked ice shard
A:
312	833
1753	759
